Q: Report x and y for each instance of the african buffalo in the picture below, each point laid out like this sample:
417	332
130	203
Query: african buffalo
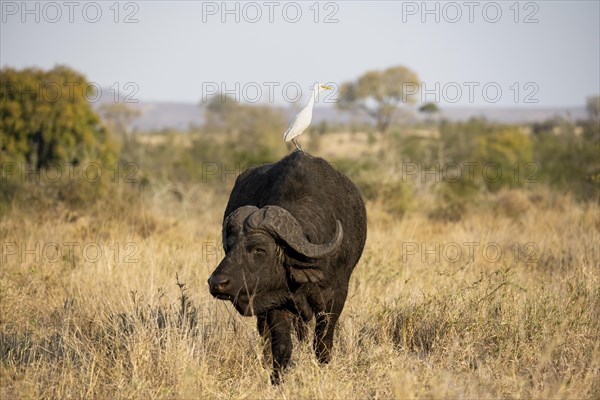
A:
292	233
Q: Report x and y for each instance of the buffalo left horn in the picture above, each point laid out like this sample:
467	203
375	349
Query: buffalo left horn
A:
236	219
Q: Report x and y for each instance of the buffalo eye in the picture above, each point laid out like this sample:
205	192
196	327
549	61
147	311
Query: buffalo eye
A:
257	253
257	246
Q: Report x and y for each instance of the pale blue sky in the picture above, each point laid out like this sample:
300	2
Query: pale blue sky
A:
177	48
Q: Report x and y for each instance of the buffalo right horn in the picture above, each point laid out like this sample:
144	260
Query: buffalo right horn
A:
280	223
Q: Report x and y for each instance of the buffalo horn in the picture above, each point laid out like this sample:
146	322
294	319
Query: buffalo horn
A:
236	220
280	223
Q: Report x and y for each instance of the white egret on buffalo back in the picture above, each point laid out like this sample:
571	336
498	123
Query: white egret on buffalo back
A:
302	120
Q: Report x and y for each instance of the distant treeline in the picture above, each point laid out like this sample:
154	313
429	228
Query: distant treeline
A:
51	136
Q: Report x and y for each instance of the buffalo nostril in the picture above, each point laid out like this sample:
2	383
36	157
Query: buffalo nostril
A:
223	283
218	283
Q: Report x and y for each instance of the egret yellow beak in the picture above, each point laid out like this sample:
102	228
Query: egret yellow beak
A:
326	87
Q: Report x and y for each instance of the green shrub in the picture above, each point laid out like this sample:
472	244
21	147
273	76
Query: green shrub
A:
46	117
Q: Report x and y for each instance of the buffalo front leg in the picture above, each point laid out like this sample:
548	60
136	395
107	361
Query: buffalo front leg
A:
323	340
280	325
263	330
325	327
300	328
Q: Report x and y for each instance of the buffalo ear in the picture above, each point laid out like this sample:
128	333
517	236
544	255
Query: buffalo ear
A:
306	275
303	272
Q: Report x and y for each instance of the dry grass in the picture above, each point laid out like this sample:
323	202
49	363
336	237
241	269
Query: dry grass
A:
418	323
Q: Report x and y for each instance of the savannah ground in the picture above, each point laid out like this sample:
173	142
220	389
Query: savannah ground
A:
103	294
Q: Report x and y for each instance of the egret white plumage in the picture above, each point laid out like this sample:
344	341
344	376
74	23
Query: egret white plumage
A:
304	117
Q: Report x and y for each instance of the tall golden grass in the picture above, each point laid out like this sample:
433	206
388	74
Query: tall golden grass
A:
111	301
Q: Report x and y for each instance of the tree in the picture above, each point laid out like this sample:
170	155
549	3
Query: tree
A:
429	109
593	108
45	117
119	116
253	130
380	93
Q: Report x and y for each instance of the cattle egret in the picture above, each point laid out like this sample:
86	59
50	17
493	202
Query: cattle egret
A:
302	120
